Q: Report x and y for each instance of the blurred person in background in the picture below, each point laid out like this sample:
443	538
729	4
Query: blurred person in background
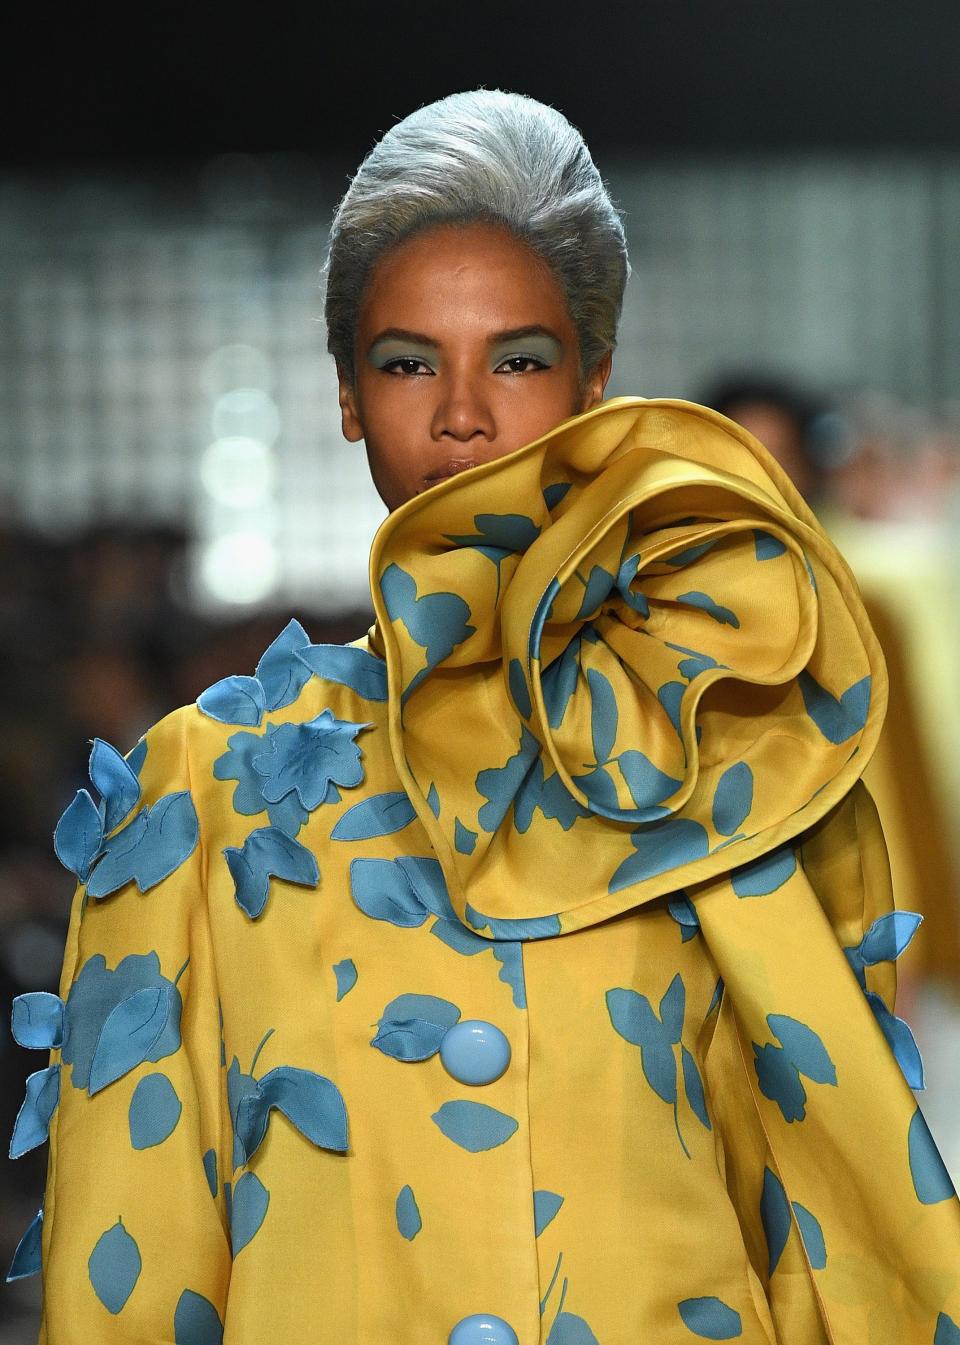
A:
885	482
619	690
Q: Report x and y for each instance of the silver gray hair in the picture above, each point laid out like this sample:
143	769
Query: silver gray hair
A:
492	156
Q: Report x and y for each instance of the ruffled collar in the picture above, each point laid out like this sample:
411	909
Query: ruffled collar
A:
621	660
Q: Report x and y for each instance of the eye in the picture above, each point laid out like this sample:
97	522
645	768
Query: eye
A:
531	361
406	366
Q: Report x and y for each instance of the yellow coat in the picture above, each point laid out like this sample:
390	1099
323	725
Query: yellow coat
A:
523	972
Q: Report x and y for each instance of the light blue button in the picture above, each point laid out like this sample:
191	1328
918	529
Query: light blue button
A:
474	1051
483	1329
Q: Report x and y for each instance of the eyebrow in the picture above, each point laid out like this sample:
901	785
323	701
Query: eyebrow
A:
498	338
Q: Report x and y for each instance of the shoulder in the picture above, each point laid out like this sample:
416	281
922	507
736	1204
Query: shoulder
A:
144	813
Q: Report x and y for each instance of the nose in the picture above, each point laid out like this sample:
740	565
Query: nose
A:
463	412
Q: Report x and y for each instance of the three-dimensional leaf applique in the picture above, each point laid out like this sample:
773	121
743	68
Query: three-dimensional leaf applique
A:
32	1125
26	1258
349	666
379	815
115	1020
412	1027
78	839
279	678
310	1101
152	845
268	853
36	1020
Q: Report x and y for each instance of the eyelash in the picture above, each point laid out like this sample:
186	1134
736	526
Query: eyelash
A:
390	366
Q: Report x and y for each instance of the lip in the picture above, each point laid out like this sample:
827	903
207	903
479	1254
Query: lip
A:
451	468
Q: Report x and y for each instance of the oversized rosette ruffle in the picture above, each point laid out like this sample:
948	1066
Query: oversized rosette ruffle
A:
624	658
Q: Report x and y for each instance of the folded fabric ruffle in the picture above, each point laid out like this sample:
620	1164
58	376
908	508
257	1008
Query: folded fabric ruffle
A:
624	658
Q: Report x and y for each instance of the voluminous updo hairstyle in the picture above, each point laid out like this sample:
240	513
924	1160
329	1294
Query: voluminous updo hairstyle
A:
484	155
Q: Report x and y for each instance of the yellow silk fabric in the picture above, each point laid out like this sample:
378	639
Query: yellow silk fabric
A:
760	1171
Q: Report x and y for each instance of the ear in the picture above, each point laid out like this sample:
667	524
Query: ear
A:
596	381
350	422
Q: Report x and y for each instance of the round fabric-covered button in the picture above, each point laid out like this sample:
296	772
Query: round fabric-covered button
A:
483	1329
474	1051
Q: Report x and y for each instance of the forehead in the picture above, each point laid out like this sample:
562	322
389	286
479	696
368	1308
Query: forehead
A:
462	276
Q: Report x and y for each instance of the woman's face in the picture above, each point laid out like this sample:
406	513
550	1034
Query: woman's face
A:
465	351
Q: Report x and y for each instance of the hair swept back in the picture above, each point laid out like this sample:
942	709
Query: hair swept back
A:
482	155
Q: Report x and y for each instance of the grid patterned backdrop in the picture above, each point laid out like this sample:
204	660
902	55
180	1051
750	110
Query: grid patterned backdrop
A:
162	353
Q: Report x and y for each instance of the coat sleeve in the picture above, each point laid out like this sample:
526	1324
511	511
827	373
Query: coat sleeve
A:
132	1237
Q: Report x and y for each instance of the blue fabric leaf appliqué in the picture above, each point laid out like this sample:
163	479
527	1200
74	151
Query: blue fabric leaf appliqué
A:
210	1171
268	853
39	1103
78	837
412	1027
153	844
345	973
196	1321
154	1111
710	1318
380	815
473	1125
131	1034
310	1101
409	1221
36	1020
722	615
348	666
682	910
307	758
114	1267
94	996
27	1258
115	781
234	700
248	1209
382	890
901	1040
281	671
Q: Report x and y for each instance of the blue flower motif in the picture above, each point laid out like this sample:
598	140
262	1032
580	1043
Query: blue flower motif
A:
290	769
308	758
115	1020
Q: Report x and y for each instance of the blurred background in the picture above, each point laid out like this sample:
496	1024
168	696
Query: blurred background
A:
173	483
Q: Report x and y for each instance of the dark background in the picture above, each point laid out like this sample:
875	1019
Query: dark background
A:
105	84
